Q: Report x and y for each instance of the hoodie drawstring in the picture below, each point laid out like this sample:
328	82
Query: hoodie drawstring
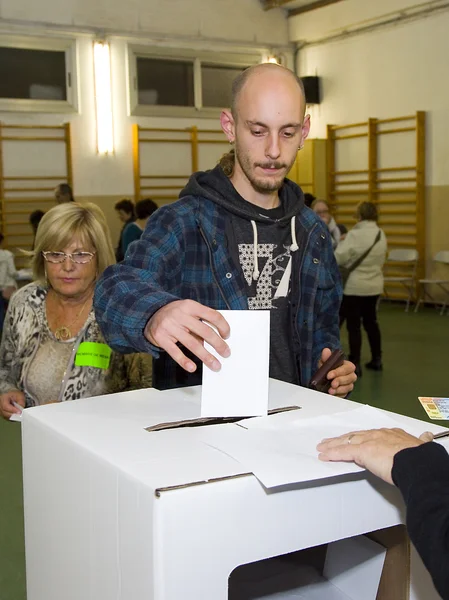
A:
293	248
294	245
256	265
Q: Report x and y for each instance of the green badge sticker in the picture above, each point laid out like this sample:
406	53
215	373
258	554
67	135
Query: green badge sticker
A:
93	354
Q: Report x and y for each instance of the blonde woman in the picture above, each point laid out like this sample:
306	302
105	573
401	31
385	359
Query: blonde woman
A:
52	347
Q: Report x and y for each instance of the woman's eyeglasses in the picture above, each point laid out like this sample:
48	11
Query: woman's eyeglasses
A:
79	258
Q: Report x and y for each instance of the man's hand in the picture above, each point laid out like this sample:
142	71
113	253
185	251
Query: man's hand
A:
374	449
343	378
182	321
7	408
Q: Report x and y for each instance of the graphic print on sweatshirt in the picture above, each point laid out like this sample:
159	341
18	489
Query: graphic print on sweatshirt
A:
274	278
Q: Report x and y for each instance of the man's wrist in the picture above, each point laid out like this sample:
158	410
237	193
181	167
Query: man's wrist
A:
147	334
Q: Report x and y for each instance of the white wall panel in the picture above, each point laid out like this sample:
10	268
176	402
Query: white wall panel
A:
197	23
389	72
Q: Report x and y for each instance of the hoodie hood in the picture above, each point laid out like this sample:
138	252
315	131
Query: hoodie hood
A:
216	186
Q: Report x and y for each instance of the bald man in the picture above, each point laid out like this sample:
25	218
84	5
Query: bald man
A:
240	237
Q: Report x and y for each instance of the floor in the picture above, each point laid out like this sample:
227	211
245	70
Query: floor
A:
12	553
415	363
415	357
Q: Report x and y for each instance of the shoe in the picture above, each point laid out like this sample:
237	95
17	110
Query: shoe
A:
374	365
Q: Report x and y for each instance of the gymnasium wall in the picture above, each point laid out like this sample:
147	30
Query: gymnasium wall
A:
384	71
221	25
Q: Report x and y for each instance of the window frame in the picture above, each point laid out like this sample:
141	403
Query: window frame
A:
221	58
66	45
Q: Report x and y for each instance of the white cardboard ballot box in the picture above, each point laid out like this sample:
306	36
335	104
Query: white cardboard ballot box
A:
113	511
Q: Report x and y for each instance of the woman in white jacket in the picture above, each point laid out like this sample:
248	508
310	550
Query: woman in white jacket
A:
364	285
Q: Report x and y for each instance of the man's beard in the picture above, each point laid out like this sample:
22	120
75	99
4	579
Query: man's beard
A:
260	185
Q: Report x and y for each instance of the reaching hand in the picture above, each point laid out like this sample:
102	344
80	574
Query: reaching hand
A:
185	321
7	408
343	378
374	449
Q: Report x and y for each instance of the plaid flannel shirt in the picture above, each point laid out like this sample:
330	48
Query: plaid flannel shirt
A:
183	254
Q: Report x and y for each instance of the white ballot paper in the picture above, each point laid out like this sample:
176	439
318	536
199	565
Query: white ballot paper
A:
288	454
240	388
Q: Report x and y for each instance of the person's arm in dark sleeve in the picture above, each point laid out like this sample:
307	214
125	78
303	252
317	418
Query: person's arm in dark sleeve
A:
119	256
422	475
129	293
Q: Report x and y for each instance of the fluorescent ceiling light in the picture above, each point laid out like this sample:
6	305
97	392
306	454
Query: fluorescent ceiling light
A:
103	98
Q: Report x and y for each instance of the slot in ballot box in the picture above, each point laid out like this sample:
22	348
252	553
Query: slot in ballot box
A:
113	511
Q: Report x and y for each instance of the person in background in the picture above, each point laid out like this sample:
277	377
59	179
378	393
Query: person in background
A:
321	208
8	276
364	285
133	231
63	193
420	469
309	199
125	212
43	354
239	238
34	220
8	273
343	231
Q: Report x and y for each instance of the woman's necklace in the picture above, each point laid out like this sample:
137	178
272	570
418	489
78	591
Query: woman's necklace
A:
64	333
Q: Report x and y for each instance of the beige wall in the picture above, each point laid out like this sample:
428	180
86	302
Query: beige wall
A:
437	224
437	228
199	25
391	71
106	203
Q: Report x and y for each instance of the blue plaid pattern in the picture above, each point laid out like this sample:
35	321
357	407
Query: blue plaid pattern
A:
183	255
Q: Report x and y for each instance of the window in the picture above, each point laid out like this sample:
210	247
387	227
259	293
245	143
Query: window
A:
216	82
183	82
165	82
36	74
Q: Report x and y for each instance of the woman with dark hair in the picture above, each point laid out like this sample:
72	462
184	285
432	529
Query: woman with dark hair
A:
125	212
132	232
364	284
64	193
34	219
8	276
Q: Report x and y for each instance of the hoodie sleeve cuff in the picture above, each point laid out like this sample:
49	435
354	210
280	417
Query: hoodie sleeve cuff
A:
417	466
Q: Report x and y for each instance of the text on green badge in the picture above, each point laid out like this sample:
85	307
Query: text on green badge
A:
93	354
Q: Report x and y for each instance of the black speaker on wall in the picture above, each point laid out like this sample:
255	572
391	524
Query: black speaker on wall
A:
312	86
